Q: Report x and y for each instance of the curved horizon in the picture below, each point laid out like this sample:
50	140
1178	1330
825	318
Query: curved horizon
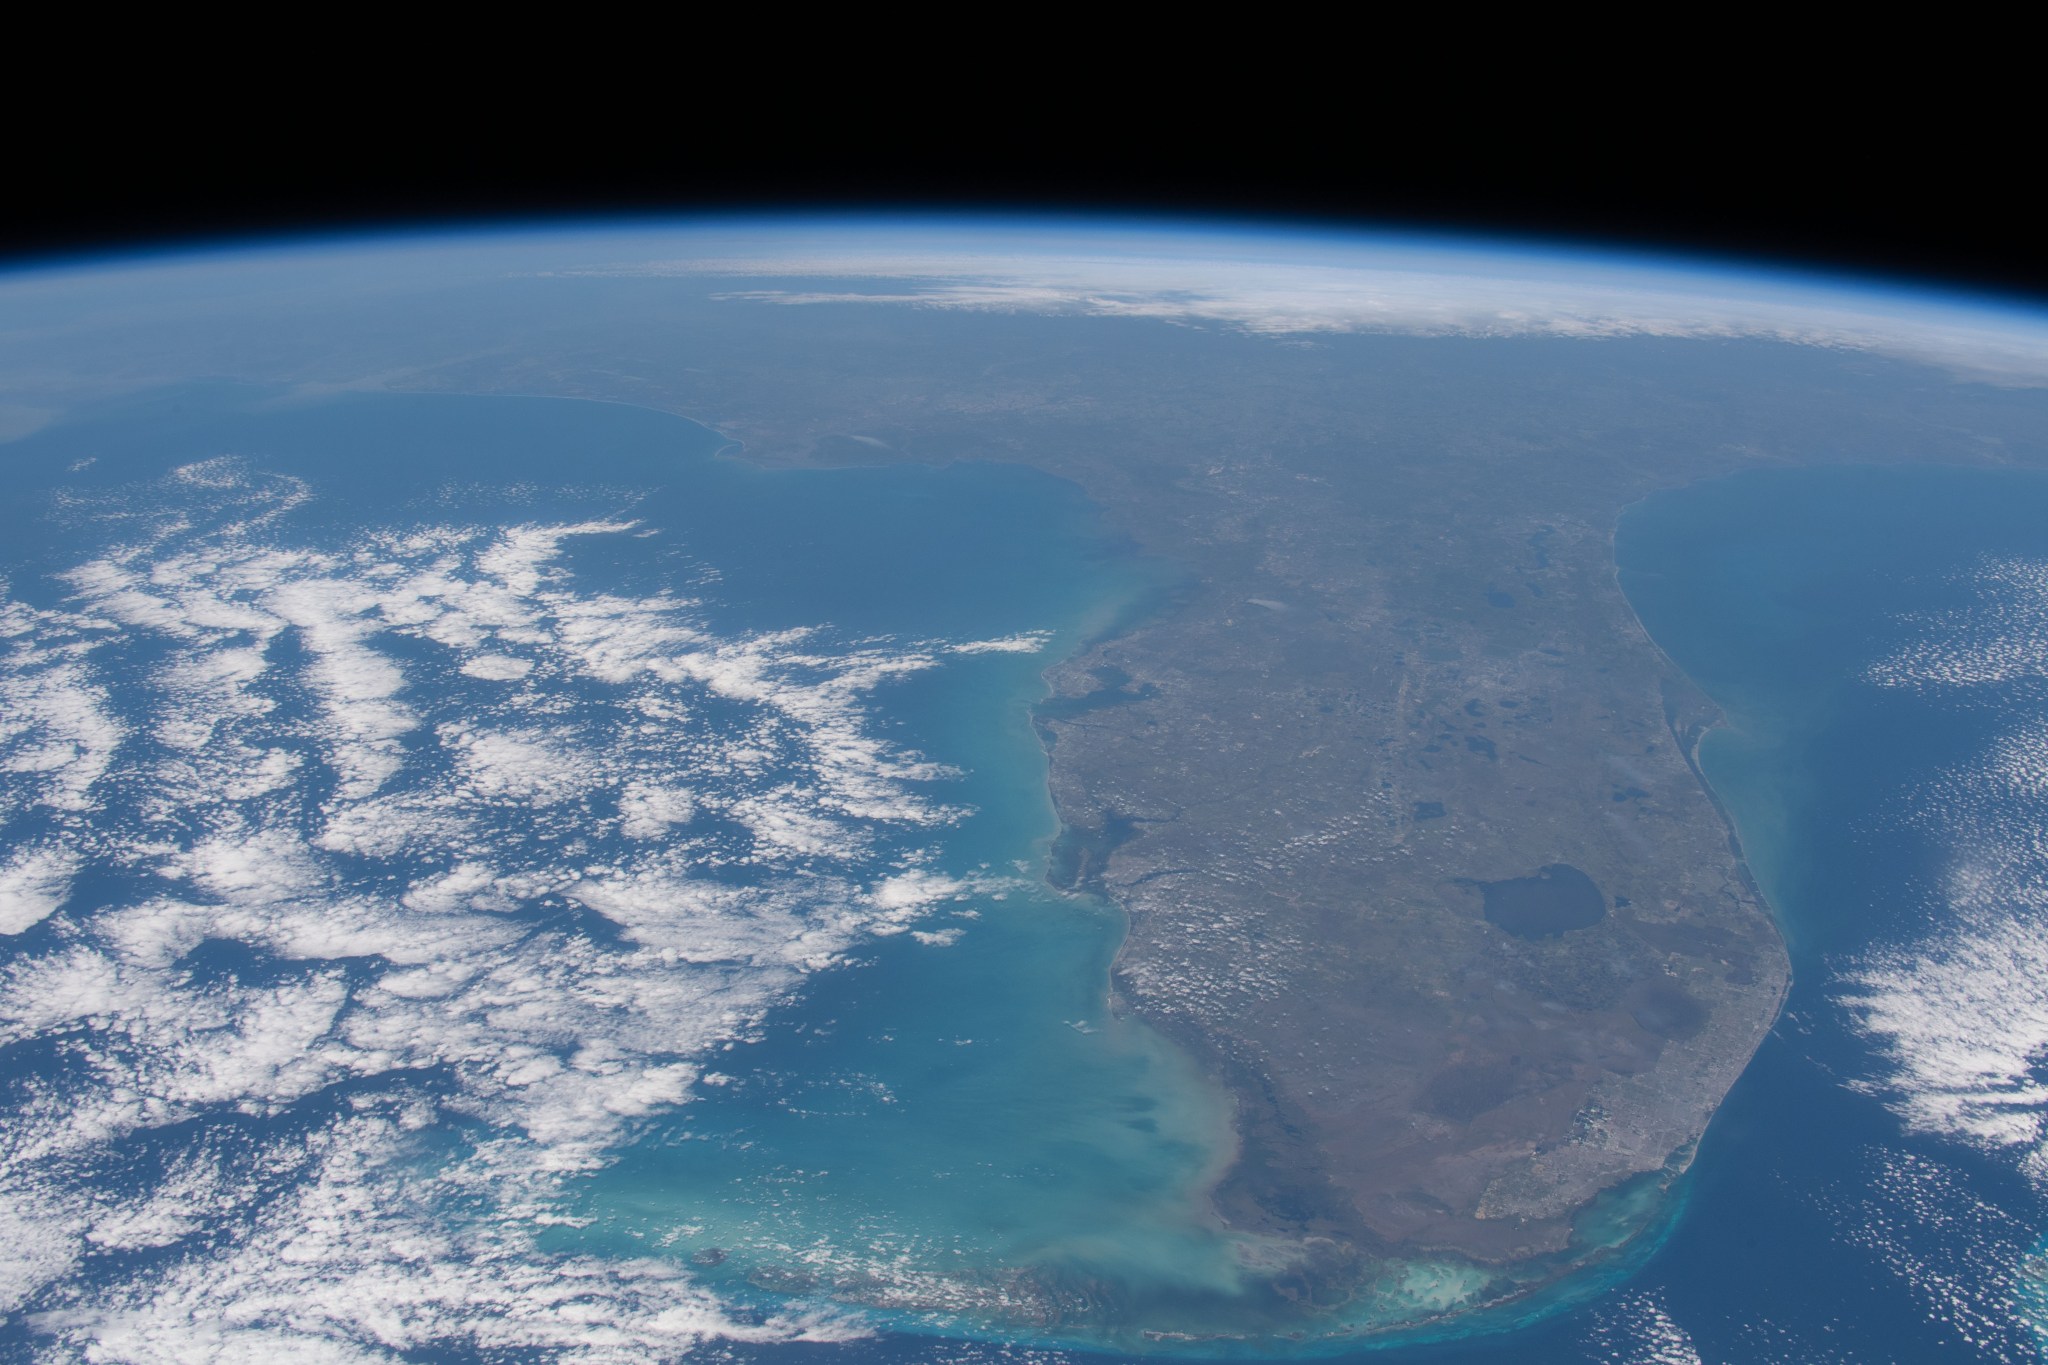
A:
1529	247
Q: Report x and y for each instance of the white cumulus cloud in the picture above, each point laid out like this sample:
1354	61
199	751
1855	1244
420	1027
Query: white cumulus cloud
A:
552	900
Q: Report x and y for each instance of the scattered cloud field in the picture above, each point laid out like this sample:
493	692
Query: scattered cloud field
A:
1960	1015
359	894
1956	1014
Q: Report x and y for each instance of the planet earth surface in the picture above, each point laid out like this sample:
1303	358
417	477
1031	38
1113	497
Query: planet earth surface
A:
883	790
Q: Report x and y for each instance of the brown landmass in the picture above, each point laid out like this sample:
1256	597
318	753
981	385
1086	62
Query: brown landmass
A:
1397	667
1300	836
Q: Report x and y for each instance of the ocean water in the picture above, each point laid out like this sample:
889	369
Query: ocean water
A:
495	875
568	852
1872	1189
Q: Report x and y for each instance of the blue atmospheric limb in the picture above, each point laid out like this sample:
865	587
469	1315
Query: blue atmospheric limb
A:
1327	279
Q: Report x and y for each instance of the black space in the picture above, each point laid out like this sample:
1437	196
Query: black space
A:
1861	197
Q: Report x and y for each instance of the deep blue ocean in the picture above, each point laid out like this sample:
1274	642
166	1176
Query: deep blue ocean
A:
890	1074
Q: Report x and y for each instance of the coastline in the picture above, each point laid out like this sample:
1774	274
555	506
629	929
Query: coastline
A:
1261	1124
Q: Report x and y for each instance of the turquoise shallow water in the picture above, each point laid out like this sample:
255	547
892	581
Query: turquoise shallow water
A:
949	1105
941	1117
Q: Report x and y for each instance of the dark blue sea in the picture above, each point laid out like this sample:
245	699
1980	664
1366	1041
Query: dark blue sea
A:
498	876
